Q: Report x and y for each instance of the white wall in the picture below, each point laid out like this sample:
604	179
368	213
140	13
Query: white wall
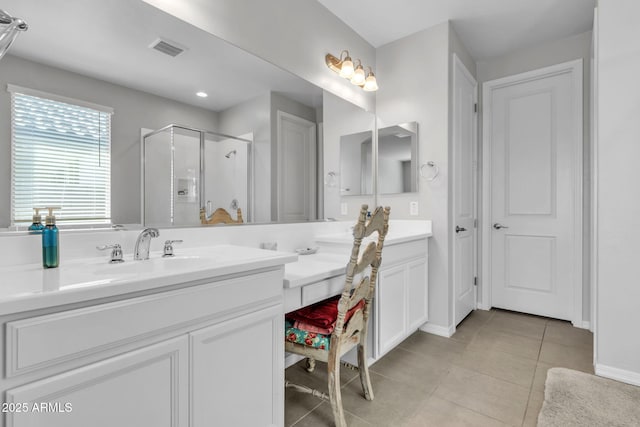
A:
253	116
292	34
259	115
341	118
414	74
556	52
355	164
226	178
133	110
618	174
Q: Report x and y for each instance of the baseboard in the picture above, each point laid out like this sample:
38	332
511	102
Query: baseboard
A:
618	374
586	325
443	331
484	307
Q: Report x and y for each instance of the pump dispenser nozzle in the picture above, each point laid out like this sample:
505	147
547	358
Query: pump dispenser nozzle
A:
36	227
36	215
51	219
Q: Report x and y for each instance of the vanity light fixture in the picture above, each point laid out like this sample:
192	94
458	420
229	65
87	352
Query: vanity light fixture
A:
358	77
370	83
202	94
344	67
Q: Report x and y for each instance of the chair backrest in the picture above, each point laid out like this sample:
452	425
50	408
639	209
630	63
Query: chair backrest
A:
371	256
220	216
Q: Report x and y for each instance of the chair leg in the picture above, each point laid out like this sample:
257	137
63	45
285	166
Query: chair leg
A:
310	364
363	368
335	397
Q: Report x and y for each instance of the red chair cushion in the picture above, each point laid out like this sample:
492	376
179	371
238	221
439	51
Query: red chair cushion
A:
321	317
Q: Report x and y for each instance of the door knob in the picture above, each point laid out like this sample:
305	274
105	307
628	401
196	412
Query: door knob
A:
498	226
459	229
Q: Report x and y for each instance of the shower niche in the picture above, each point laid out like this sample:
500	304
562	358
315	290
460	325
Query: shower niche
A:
186	170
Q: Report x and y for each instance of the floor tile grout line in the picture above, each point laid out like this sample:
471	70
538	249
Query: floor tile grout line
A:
473	410
305	415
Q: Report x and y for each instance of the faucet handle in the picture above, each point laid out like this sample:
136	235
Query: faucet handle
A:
116	253
168	247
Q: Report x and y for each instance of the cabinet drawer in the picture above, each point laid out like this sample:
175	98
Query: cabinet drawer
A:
45	341
322	290
394	254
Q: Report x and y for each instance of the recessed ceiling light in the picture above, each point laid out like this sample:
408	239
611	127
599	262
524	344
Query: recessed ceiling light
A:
202	94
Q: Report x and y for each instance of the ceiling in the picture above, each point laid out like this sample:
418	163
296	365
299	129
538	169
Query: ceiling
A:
109	40
487	28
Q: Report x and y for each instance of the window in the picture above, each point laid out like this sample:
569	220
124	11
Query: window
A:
60	156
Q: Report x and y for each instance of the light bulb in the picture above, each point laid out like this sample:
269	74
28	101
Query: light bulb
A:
358	76
346	70
370	84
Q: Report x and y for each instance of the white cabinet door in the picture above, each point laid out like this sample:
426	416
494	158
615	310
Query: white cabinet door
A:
391	304
417	294
237	371
146	387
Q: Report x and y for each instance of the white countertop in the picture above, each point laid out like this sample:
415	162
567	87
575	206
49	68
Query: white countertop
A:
29	287
324	265
394	237
313	268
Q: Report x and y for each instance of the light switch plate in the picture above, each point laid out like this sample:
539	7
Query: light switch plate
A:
413	208
343	209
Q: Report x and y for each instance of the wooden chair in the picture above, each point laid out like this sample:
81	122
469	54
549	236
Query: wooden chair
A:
351	332
220	216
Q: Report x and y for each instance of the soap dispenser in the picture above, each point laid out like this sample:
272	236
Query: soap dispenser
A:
50	241
36	227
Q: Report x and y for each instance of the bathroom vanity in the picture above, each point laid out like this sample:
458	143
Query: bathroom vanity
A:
163	342
401	301
183	340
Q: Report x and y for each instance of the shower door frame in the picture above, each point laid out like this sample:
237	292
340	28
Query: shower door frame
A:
201	189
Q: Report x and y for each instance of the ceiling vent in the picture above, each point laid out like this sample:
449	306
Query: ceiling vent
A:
167	47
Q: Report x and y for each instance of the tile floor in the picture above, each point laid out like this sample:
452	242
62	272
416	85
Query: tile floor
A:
490	373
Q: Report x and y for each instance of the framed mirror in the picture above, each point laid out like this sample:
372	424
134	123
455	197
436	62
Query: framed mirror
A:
398	159
150	76
356	161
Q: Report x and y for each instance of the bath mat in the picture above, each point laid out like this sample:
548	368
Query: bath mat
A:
573	398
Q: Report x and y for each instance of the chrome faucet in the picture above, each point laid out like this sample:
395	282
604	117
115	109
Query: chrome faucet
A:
141	250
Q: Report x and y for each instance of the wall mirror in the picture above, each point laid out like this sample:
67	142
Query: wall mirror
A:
356	154
114	57
398	159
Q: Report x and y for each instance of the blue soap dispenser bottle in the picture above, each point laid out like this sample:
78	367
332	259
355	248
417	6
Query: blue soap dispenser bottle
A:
36	227
50	241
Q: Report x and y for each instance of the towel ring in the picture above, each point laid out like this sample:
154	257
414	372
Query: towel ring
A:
331	179
430	164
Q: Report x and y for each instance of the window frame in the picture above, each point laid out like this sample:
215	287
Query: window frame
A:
70	223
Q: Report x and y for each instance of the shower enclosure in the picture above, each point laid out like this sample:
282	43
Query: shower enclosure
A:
185	170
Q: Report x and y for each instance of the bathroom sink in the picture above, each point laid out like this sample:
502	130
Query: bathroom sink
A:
157	265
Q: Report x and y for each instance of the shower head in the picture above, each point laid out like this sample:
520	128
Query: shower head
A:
230	153
9	29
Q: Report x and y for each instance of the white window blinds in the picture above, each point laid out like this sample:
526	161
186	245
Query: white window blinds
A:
60	157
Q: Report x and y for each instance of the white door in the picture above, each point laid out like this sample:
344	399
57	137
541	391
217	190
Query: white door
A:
296	169
533	131
464	157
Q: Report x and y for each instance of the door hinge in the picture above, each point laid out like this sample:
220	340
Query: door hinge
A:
475	223
475	107
475	281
